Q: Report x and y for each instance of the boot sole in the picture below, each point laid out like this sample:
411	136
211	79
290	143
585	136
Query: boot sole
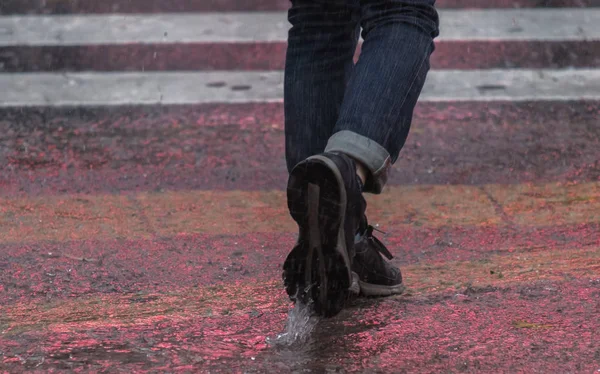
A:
374	290
318	268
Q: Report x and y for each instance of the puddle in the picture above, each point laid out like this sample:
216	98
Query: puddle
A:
285	339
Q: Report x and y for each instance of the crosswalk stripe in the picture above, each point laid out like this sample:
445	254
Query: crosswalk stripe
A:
187	6
87	217
165	88
572	24
271	56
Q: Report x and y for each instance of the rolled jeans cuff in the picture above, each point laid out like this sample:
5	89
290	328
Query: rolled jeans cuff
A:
370	153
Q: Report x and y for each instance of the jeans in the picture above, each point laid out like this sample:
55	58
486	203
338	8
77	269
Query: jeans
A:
365	109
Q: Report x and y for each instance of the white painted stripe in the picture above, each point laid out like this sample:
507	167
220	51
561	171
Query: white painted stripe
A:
252	27
112	89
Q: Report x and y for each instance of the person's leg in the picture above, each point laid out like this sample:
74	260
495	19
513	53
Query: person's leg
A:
324	192
321	47
376	115
378	105
322	43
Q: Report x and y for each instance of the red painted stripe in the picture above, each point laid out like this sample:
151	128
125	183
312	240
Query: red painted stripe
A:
162	6
242	147
271	56
56	270
536	327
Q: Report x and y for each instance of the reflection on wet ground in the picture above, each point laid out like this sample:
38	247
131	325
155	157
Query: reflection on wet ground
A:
470	328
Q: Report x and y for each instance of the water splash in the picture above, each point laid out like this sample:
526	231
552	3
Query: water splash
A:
299	327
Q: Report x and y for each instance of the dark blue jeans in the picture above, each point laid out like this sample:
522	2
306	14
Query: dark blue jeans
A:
363	110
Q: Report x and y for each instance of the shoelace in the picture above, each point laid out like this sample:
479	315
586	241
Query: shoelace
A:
379	246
